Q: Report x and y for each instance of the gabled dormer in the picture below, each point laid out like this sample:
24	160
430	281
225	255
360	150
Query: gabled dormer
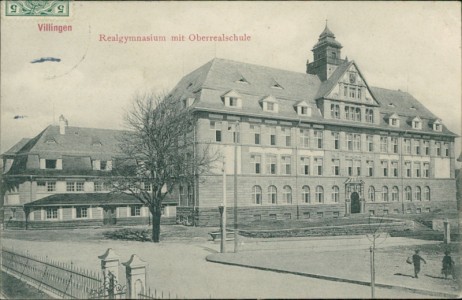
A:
270	104
416	123
437	125
302	109
232	99
393	120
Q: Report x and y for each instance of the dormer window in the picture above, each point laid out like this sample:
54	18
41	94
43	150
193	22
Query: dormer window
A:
416	123
270	104
437	125
242	80
393	120
303	109
188	102
232	99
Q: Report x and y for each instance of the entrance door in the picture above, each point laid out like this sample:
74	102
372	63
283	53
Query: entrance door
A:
109	216
355	204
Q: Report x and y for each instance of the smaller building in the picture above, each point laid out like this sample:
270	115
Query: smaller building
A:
59	179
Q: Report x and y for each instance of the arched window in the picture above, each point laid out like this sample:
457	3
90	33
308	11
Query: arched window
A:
306	194
418	194
395	194
371	193
272	195
335	194
427	193
287	194
408	193
256	194
319	194
385	194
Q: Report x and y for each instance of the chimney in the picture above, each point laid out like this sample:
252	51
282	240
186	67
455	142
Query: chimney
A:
62	124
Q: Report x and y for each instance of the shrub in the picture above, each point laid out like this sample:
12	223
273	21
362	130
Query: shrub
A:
129	234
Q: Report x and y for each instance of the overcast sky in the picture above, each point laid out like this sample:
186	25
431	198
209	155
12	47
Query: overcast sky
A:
415	47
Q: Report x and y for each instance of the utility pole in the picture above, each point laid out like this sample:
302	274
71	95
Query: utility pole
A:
372	251
223	212
236	136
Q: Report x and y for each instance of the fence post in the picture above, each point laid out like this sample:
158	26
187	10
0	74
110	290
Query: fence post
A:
447	232
110	269
135	270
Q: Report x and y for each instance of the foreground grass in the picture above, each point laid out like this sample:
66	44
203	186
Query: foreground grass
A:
14	288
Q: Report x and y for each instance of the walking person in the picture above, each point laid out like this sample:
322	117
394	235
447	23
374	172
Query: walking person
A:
448	266
416	258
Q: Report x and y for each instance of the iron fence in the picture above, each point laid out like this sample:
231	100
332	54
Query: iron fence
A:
155	294
62	279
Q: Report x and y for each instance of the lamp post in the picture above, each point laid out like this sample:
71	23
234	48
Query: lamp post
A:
236	137
221	208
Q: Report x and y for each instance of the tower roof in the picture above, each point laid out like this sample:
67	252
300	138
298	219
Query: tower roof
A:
327	37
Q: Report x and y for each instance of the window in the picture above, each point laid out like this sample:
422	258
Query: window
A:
272	216
81	212
384	164
427	193
370	143
426	170
306	194
286	134
98	186
371	194
349	167
446	149
50	163
407	146
319	194
216	127
426	146
394	144
234	129
306	215
394	168
256	132
383	144
385	194
407	168
347	113
79	186
417	169
233	102
135	210
318	165
358	114
408	193
438	148
287	194
272	136
305	165
357	167
270	106
370	168
255	162
318	138
416	147
271	164
51	186
272	194
394	121
437	127
395	194
357	142
336	138
52	213
304	138
336	167
349	141
416	124
352	92
345	91
287	216
369	115
335	111
304	110
418	194
70	186
286	160
256	194
335	194
320	214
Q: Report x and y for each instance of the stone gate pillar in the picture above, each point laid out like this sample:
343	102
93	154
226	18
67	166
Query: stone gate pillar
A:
110	269
135	270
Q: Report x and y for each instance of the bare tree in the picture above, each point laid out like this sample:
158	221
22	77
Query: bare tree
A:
159	153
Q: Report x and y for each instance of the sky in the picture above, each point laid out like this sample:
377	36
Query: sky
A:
411	46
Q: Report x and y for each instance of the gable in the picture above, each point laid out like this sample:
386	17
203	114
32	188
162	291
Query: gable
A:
352	87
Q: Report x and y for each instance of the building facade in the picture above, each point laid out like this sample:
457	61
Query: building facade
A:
59	179
317	144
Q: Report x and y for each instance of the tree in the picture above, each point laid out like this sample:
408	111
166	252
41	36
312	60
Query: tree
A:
159	153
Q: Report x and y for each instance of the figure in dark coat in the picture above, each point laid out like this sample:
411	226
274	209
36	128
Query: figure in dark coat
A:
448	266
416	258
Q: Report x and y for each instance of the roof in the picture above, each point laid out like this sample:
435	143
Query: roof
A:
82	199
327	37
18	146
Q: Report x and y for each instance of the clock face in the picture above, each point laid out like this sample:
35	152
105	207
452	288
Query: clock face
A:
352	77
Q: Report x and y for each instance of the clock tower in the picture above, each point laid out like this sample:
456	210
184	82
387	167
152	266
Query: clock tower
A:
327	56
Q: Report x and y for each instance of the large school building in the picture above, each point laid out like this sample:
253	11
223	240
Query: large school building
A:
308	145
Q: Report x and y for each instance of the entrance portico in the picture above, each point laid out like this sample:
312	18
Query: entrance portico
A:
354	196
